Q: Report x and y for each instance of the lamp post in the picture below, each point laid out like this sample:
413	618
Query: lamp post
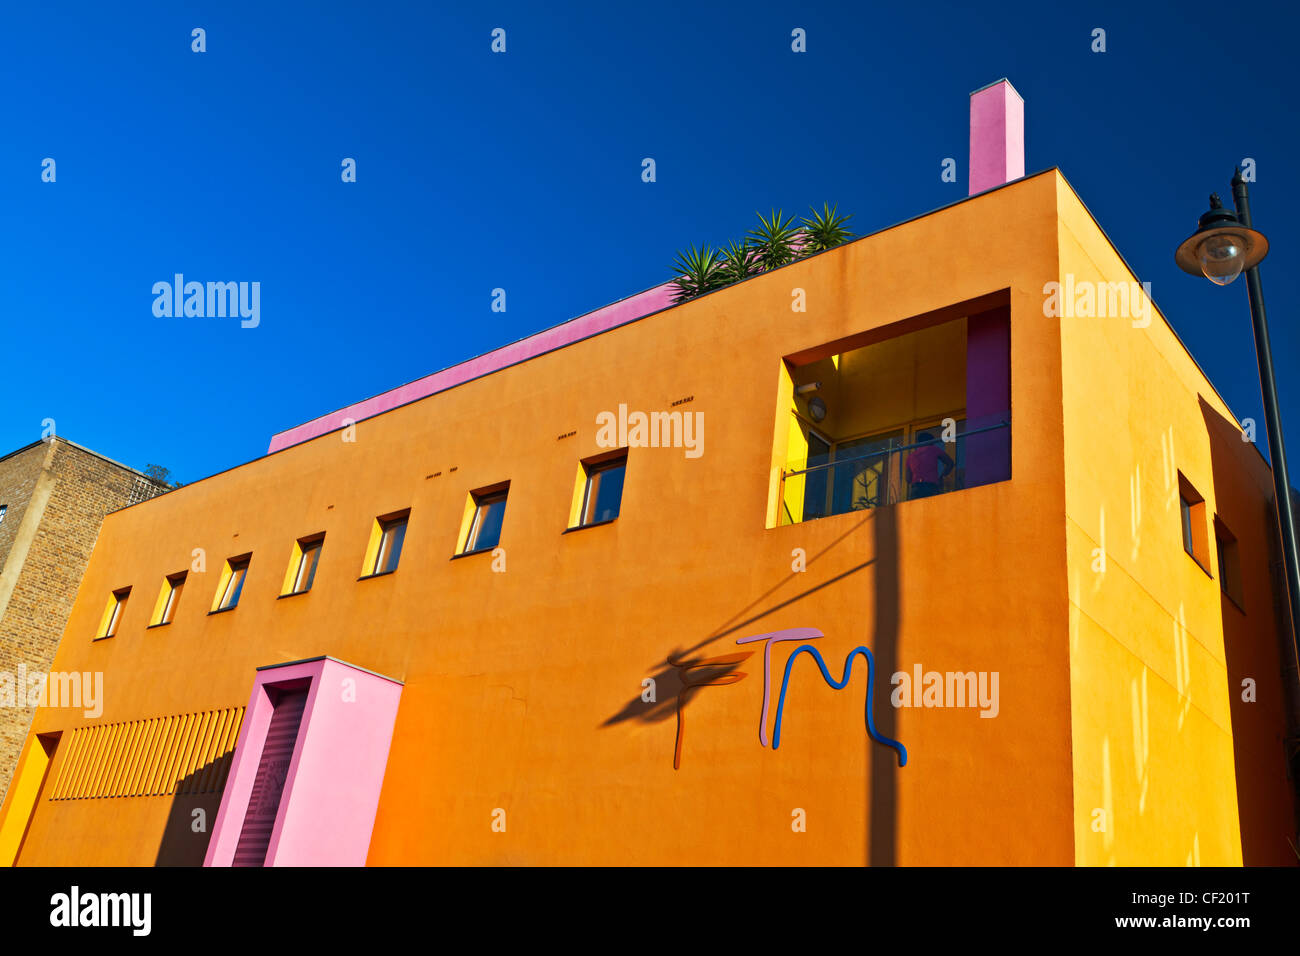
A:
1223	246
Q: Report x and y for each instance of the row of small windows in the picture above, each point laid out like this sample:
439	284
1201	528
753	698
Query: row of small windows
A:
598	496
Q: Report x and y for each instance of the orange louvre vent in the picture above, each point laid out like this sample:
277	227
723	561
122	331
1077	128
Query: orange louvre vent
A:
152	757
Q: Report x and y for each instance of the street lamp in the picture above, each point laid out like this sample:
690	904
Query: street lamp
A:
1223	246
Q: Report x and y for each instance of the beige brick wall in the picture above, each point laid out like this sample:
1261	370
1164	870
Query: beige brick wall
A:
58	494
18	474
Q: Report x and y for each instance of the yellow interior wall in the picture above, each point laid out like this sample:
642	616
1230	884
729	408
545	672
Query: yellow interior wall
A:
793	492
785	497
106	616
372	547
579	492
23	792
160	605
291	572
466	522
918	376
222	581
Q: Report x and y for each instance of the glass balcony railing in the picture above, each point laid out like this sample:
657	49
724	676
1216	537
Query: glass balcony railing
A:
890	471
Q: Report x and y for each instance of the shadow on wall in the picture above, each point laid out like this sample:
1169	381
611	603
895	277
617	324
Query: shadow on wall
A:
190	821
882	800
675	684
681	671
1257	647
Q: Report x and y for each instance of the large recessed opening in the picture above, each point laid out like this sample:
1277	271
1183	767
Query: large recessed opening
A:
909	411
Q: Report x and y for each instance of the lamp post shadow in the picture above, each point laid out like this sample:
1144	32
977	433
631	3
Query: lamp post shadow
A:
882	795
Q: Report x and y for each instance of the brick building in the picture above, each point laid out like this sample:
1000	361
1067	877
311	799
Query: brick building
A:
53	496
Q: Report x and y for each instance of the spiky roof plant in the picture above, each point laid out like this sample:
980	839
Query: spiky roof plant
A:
740	261
775	239
824	230
698	271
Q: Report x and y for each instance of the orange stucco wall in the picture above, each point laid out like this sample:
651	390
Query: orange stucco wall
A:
523	687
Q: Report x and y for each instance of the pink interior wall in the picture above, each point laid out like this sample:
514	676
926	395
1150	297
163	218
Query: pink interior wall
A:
331	793
625	310
243	771
988	396
997	136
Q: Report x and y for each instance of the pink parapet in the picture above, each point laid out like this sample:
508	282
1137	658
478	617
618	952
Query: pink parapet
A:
601	320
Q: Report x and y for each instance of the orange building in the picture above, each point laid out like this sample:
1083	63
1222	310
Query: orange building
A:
502	624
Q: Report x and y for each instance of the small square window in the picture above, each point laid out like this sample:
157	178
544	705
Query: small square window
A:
393	533
1185	508
382	554
168	598
1225	543
232	585
113	613
387	535
603	494
1195	527
485	529
303	561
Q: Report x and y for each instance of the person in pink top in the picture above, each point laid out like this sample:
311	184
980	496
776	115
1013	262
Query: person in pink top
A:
927	466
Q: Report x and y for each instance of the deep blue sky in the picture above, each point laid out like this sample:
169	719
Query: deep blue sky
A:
523	171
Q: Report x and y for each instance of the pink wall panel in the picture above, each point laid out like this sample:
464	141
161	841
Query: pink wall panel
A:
339	770
331	789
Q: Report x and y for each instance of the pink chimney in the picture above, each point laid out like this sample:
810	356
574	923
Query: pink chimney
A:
997	136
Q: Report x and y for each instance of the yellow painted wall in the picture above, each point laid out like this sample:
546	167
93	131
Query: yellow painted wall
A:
1155	702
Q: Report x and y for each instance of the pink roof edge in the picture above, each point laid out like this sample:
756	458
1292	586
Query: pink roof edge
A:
592	323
